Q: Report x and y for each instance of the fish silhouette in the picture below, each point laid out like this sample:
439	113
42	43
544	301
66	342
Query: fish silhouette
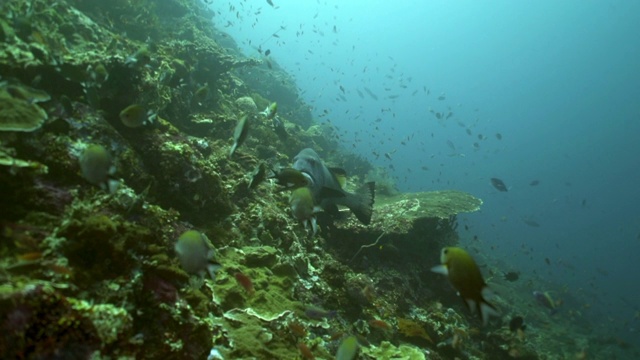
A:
499	184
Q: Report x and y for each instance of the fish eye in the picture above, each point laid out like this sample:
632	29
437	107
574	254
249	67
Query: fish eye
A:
445	251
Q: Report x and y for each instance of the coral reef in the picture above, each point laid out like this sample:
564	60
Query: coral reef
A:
89	270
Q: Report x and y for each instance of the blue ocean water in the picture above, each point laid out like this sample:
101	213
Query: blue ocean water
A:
557	81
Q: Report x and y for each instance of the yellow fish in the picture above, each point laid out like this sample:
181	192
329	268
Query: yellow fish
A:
134	116
465	276
270	111
303	208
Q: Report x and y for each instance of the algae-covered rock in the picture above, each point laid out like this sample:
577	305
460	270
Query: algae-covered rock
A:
270	292
253	335
246	104
281	88
111	323
262	256
96	244
386	350
38	321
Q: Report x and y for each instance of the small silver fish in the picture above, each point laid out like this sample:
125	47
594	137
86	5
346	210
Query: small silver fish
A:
240	134
258	175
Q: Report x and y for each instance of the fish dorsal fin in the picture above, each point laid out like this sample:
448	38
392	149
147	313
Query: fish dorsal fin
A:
471	304
340	174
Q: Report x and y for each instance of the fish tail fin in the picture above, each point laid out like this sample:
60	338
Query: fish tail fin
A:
211	269
314	225
362	204
486	309
112	186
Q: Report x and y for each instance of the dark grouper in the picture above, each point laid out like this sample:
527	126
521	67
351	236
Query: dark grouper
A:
326	189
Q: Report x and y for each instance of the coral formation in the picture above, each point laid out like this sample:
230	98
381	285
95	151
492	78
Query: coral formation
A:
91	273
19	114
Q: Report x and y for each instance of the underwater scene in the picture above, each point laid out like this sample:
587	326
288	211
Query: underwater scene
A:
319	179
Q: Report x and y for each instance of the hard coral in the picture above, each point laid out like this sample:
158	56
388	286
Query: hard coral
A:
161	289
20	115
246	104
360	289
98	245
51	196
39	322
411	328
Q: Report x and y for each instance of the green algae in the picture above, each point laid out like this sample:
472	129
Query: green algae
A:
110	322
386	350
273	291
